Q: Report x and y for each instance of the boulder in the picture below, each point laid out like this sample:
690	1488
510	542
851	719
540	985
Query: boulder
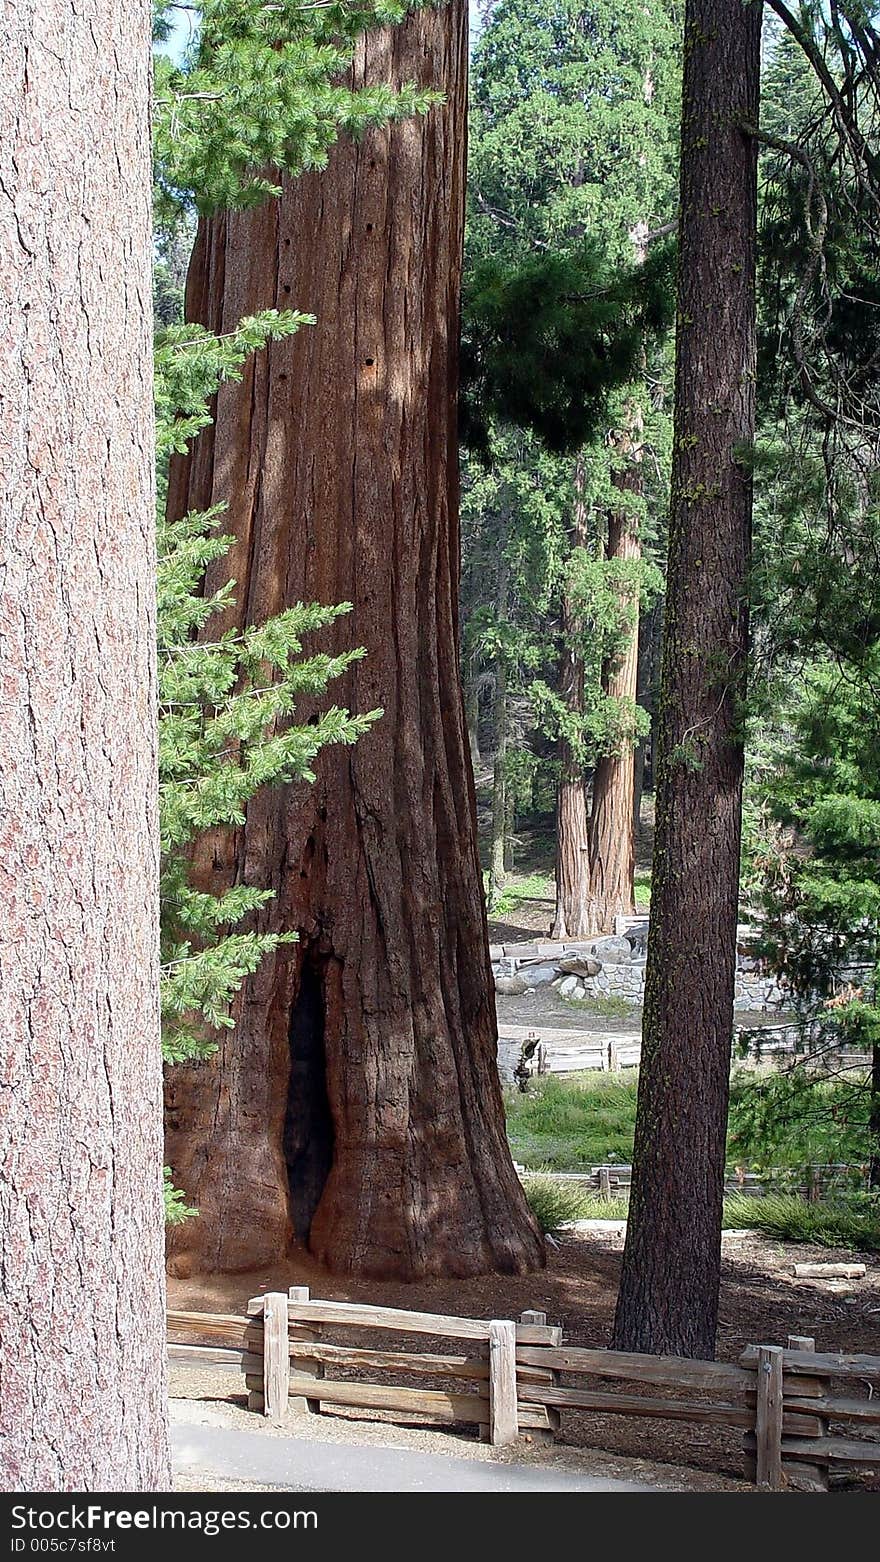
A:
581	965
539	974
636	936
511	986
611	950
568	987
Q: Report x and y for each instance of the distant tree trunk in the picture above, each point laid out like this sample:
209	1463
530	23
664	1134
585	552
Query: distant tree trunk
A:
369	1050
571	919
668	1299
500	799
612	854
472	691
874	1120
81	1225
650	625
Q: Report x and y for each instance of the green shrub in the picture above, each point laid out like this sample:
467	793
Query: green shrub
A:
553	1203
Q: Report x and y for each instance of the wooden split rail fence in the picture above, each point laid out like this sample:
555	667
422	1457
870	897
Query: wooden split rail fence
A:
520	1377
614	1180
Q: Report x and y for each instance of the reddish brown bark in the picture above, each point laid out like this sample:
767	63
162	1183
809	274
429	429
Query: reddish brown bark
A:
668	1300
82	1325
357	1103
612	855
572	914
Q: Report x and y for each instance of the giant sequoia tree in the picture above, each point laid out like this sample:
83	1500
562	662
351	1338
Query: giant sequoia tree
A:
357	1105
668	1298
81	1287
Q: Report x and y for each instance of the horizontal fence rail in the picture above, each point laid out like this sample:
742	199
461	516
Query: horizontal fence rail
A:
614	1179
514	1377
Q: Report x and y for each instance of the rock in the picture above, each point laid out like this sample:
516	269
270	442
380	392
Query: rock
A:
568	986
541	973
611	950
511	986
581	965
636	936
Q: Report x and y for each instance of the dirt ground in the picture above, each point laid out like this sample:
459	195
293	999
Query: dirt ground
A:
761	1303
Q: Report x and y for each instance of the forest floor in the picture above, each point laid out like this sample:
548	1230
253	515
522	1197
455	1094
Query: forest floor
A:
761	1303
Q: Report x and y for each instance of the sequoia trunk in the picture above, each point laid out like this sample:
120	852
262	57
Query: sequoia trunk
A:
572	916
612	854
371	1044
668	1298
82	1317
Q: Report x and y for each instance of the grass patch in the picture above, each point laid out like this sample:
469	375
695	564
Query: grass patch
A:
568	1123
853	1222
610	1006
504	901
571	1122
642	889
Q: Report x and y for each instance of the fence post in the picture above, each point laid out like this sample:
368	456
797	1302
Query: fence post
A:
304	1366
768	1419
808	1477
276	1355
548	1375
503	1411
604	1182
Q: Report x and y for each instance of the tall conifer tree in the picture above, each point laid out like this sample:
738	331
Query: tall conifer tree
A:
668	1298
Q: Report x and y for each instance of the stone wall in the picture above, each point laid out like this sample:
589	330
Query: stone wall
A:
614	966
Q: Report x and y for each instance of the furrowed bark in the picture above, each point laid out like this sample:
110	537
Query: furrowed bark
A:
82	1315
668	1299
337	458
572	916
612	854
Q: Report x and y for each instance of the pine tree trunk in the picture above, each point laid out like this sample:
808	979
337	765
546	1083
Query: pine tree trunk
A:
572	918
82	1318
612	854
668	1298
357	1105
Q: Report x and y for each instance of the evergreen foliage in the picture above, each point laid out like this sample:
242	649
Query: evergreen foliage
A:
814	783
548	338
572	163
260	88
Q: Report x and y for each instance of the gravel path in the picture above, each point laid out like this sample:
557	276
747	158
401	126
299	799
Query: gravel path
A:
216	1439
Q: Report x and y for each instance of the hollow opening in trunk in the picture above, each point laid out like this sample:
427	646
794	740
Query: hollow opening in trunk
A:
308	1125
